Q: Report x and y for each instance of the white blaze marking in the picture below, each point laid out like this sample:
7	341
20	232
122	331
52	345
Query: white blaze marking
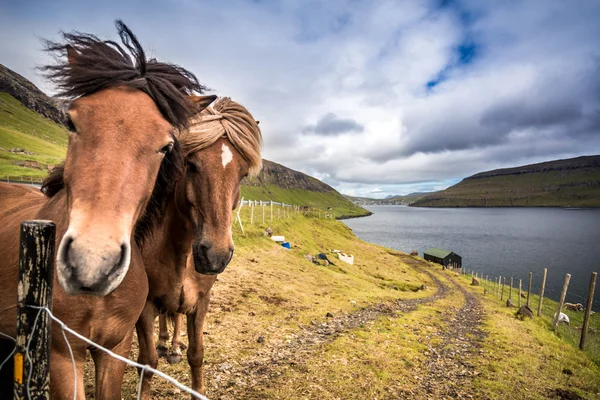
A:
226	156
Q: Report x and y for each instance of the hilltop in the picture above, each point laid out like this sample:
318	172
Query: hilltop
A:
279	183
33	140
571	182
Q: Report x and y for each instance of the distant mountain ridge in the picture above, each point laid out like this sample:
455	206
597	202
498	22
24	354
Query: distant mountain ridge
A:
389	200
573	182
29	95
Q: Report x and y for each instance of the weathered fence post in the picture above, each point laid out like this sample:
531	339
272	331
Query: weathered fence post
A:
539	313
520	291
252	214
562	300
36	269
510	290
588	310
503	284
529	288
271	210
263	207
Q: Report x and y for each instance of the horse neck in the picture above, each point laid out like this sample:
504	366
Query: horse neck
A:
173	237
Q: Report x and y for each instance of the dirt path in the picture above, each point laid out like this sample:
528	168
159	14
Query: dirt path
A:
449	371
232	381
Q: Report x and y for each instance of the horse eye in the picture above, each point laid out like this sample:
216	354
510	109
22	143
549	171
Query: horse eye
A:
70	125
192	167
167	149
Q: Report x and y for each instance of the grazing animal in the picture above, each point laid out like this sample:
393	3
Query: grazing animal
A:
562	317
194	242
111	191
574	307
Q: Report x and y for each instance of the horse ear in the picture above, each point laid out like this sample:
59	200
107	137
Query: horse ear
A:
257	122
202	102
72	54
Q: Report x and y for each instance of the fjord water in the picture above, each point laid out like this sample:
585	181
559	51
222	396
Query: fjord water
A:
499	241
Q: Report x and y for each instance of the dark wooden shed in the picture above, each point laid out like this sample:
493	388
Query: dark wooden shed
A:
443	257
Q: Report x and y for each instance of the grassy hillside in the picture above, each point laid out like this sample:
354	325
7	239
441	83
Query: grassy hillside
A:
340	206
563	183
22	128
281	327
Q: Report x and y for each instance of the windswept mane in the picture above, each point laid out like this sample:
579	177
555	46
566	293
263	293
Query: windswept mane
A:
101	64
227	118
98	65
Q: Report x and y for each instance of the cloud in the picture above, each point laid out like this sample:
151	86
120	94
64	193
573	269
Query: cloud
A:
331	125
396	96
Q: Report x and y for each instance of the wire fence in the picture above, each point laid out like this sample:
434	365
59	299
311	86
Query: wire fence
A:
503	287
35	292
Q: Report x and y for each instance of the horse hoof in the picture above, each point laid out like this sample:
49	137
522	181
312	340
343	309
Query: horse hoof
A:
161	350
174	358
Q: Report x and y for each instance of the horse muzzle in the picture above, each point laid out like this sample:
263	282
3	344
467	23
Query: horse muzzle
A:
91	266
207	261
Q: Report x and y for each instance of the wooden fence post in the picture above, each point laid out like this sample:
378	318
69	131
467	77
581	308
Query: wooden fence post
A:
562	300
503	284
588	310
539	313
263	207
499	283
36	270
520	291
271	210
529	288
252	213
510	290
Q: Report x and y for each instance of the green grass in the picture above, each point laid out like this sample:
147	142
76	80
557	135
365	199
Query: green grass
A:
341	207
23	128
527	359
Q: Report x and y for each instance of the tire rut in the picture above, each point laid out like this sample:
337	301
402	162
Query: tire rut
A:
450	373
238	380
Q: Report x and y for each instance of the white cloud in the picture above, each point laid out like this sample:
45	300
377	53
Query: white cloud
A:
524	87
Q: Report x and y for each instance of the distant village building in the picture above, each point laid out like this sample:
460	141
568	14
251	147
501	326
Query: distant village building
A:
443	257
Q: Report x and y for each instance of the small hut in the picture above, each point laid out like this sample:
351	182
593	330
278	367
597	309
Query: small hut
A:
443	257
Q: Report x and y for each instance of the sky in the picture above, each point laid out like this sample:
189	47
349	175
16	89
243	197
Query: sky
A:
372	97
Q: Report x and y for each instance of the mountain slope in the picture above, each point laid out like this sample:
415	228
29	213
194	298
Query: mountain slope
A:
571	182
282	184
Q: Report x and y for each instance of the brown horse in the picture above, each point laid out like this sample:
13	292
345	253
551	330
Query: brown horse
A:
122	157
194	242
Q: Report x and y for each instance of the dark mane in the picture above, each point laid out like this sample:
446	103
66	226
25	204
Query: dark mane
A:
170	170
103	64
99	65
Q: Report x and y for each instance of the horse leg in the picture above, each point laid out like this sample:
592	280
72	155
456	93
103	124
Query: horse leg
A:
148	354
62	380
175	354
163	336
110	371
195	352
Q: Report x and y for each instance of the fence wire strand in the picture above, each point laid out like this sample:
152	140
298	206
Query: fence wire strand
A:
144	368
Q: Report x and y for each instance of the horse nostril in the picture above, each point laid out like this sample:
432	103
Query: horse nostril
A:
66	248
123	254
